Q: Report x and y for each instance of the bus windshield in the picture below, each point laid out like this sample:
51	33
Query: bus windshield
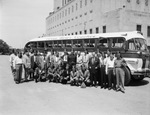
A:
137	44
141	44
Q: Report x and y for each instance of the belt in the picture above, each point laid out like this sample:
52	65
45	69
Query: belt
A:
19	64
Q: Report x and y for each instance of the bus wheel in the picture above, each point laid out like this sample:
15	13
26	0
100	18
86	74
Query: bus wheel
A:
137	77
127	76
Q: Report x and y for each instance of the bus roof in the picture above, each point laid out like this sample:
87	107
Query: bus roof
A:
126	35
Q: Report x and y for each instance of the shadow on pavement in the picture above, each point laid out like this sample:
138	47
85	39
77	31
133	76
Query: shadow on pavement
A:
138	83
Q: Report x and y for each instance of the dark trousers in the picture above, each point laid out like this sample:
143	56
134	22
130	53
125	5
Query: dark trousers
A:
99	76
110	77
26	72
18	73
93	78
103	76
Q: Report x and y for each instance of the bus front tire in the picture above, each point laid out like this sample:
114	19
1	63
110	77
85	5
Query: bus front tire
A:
127	75
137	78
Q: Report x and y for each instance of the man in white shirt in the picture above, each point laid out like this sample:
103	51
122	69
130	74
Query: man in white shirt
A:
86	58
26	64
11	60
79	60
17	65
110	70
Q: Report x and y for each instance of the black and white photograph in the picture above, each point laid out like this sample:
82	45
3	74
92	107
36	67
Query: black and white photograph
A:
74	57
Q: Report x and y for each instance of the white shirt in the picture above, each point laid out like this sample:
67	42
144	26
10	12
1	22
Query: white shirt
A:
11	59
109	64
26	61
103	61
85	58
17	60
65	58
79	59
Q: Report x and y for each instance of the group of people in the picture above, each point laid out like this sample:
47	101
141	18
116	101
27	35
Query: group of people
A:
74	68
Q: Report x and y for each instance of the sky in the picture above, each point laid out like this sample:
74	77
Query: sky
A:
22	20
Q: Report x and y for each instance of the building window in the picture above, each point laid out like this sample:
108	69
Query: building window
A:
63	14
68	10
85	2
128	0
104	29
148	31
80	32
72	33
90	31
62	2
146	2
60	15
81	4
76	33
85	31
138	1
138	28
65	2
76	6
91	11
72	8
97	30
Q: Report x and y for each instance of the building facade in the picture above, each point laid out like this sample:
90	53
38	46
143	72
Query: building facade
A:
74	17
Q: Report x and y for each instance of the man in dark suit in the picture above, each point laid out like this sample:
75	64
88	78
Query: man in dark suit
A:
33	66
72	60
93	68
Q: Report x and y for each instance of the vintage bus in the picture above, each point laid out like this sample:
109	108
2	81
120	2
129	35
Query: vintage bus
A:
132	46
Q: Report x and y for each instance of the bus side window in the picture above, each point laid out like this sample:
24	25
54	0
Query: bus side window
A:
59	44
89	43
68	43
79	44
49	44
103	43
64	43
41	44
55	44
92	43
117	42
86	42
28	45
131	45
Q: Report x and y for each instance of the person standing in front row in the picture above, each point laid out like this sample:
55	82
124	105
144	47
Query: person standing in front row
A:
11	59
110	71
119	72
26	64
93	68
79	60
72	60
102	69
18	67
86	58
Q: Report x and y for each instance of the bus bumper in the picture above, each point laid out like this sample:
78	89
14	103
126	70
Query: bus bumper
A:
145	72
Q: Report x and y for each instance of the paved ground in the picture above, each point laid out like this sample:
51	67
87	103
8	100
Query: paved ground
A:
56	99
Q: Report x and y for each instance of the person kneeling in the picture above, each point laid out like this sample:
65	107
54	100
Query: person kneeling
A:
85	75
65	75
74	76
